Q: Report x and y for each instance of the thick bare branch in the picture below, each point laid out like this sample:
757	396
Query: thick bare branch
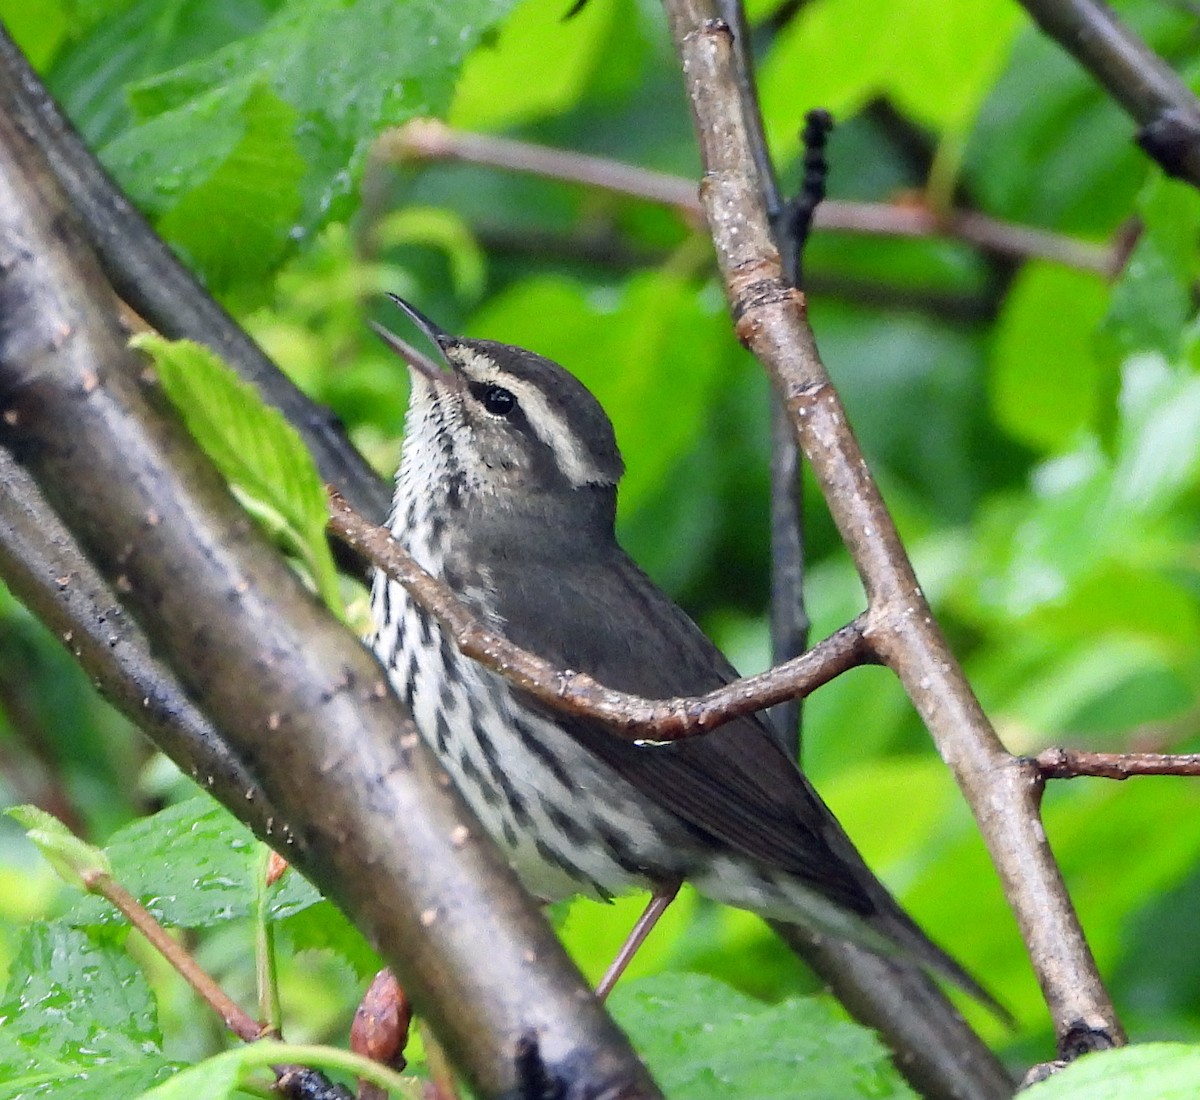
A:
577	693
428	139
1003	791
299	700
44	567
1152	93
148	275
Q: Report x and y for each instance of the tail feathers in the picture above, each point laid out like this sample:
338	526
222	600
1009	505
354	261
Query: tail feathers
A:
898	928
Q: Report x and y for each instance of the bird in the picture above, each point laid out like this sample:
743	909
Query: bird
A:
507	491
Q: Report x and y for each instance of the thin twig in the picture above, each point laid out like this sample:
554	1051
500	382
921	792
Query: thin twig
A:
294	1081
236	1018
427	139
1058	763
576	692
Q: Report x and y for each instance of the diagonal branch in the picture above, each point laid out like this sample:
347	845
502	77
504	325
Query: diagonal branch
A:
43	566
577	693
296	697
770	318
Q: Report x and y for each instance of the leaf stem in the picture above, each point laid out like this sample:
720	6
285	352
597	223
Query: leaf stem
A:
240	1022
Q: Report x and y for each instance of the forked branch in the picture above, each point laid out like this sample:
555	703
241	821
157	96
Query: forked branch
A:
770	318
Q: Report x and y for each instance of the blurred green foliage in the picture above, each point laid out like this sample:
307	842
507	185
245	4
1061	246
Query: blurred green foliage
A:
1035	429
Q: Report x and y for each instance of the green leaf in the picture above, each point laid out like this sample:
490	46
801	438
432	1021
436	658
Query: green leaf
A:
936	62
38	29
702	1039
1045	372
214	1078
234	224
101	1081
268	123
323	927
1089	510
117	42
899	373
1158	441
1148	1071
192	865
496	91
73	1003
1152	302
72	859
259	453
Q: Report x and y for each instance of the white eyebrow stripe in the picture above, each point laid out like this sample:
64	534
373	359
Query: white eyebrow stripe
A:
551	428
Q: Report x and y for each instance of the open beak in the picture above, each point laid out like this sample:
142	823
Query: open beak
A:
418	360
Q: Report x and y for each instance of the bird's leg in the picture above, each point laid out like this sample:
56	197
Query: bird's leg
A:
659	900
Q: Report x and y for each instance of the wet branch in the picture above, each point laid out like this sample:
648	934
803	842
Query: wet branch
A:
375	825
576	692
1074	763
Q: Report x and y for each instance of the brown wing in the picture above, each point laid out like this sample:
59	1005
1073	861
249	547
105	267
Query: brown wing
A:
735	783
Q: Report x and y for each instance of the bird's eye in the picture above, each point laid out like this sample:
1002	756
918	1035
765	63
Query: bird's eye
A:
498	401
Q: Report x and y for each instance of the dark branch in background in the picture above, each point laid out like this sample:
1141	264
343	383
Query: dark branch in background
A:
770	317
149	277
577	693
45	569
430	140
789	616
377	826
791	224
1151	92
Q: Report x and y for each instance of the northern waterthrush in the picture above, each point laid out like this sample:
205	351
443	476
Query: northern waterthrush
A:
507	490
